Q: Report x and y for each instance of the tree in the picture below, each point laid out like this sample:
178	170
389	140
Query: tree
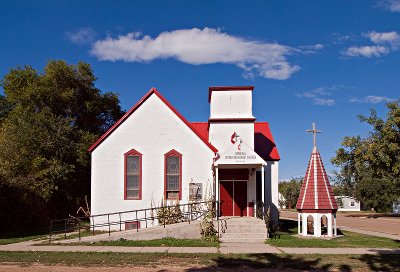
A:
47	122
5	107
290	190
370	166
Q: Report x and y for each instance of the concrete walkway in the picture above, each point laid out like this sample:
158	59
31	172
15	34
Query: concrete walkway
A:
225	248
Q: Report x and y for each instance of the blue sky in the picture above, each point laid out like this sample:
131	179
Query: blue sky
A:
322	61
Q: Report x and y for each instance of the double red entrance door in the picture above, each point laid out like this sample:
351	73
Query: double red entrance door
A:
233	198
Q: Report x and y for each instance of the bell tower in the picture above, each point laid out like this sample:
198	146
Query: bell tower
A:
231	116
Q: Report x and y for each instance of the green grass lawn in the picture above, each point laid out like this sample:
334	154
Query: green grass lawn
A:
350	239
167	241
205	262
10	238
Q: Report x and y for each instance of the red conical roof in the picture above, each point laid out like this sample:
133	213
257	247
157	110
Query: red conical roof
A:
316	193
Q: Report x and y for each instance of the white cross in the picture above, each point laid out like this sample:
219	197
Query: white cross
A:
314	131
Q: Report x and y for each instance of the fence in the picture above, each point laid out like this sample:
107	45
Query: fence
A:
144	218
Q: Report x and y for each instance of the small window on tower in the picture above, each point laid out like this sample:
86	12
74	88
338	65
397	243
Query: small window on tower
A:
352	203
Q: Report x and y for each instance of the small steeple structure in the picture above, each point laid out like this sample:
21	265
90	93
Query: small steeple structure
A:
316	204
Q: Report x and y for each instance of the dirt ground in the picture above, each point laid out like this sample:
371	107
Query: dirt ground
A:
55	268
60	268
380	224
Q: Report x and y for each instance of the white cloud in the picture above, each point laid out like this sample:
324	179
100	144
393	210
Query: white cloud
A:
384	37
338	38
311	49
391	5
317	46
323	101
384	43
371	99
319	95
366	51
200	46
81	36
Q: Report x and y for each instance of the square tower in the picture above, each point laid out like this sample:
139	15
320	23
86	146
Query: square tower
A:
231	113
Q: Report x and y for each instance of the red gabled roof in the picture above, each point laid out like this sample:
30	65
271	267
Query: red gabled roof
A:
135	107
201	128
316	193
264	144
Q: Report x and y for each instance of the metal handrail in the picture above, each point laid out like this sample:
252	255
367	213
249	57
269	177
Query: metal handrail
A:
263	211
76	223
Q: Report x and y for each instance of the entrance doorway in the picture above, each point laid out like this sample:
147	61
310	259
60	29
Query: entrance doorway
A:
233	197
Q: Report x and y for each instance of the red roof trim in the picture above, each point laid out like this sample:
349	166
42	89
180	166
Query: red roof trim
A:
228	88
135	107
317	210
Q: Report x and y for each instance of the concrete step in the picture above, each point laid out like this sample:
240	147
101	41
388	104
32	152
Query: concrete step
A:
244	230
245	235
255	231
241	219
253	228
244	223
242	240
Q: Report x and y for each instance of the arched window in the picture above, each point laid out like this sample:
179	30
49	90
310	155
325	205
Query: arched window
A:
133	175
324	225
310	225
173	175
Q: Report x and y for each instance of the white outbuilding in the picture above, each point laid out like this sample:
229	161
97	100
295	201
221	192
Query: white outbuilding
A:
348	204
153	153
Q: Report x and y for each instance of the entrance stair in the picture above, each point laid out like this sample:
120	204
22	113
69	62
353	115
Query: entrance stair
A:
242	230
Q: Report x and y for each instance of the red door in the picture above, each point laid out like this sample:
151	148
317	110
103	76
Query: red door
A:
233	198
226	198
240	198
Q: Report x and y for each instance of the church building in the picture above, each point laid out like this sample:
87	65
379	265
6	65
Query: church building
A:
153	154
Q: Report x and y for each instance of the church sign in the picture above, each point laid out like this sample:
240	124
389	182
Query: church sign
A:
239	153
240	156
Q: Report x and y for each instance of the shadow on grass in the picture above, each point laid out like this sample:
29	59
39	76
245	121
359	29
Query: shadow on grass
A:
382	262
24	234
273	262
16	237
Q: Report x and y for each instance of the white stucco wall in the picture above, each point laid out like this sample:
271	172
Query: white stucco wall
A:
220	134
271	192
231	104
251	187
274	182
153	130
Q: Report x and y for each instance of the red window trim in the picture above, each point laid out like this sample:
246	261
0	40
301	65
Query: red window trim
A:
133	152
172	153
131	223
